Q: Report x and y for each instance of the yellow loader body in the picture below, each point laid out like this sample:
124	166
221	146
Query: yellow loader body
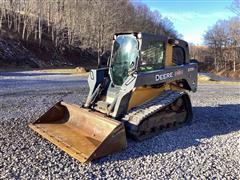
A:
141	91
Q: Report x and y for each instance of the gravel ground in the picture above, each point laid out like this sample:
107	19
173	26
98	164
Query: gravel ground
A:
209	148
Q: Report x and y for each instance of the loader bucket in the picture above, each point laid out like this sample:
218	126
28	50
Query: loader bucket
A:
83	134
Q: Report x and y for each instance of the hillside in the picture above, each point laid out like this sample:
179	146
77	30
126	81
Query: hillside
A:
230	73
63	33
16	53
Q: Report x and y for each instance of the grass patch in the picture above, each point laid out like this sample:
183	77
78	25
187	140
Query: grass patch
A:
70	71
202	79
220	82
15	69
65	71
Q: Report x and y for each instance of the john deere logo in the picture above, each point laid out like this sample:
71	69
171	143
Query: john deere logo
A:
160	77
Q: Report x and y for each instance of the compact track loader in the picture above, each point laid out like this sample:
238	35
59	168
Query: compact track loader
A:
141	92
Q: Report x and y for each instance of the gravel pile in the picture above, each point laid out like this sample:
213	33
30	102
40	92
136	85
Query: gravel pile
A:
209	148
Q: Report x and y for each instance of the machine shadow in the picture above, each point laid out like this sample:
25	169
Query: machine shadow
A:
27	74
207	122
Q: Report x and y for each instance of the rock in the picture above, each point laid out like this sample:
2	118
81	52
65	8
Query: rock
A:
80	70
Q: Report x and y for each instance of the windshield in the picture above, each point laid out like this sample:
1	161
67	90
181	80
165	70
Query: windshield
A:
124	57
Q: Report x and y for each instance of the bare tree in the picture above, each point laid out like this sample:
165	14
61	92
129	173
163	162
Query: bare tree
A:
88	25
40	16
234	38
235	7
223	40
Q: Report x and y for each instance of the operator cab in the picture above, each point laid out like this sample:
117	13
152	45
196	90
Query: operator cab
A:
133	52
138	53
142	52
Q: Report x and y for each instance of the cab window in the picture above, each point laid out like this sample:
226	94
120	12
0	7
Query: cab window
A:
152	56
178	55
